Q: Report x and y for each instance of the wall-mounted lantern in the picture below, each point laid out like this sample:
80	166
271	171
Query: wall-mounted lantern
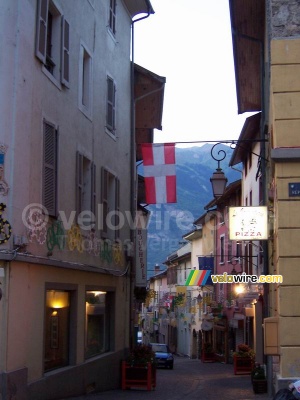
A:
218	180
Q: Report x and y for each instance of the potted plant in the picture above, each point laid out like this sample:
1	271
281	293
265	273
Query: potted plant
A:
208	354
243	360
139	369
259	379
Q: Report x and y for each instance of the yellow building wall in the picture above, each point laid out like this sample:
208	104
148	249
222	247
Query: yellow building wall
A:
285	128
208	236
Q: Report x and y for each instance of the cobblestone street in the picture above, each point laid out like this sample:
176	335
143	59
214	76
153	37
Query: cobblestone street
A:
190	379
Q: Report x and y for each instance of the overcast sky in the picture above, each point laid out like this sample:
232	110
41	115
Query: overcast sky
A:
189	43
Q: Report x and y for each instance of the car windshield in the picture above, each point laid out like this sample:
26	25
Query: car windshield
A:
162	348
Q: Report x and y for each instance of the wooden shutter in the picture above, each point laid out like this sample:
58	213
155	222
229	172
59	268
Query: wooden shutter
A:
117	207
79	182
93	188
50	169
65	57
104	199
111	100
41	30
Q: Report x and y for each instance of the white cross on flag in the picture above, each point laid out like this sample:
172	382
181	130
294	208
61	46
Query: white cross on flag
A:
159	172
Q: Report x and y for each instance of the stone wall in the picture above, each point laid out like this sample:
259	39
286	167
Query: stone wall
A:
285	18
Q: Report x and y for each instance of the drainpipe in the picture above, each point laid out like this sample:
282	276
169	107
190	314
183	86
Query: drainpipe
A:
133	187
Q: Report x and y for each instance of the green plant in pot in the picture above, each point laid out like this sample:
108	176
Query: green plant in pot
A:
258	373
141	355
259	379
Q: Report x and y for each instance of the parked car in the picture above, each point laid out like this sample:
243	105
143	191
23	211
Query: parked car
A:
140	337
163	355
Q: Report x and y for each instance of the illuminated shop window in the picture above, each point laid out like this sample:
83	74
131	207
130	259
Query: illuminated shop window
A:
98	323
57	329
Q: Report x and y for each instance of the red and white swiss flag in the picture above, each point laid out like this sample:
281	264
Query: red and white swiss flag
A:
159	172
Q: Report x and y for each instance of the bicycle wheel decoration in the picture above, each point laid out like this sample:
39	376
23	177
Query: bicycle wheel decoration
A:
5	227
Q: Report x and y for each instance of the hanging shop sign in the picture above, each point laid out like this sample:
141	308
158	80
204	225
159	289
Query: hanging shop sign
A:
248	223
141	257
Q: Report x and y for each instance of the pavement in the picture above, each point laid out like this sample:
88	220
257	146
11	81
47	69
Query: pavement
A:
190	379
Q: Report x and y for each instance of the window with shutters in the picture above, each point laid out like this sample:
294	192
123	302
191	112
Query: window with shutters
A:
111	106
86	189
85	81
110	201
112	16
52	41
50	168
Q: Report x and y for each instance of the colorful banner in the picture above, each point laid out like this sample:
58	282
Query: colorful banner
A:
199	278
202	276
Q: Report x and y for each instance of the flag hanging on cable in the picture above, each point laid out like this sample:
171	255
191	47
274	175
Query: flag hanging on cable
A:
159	172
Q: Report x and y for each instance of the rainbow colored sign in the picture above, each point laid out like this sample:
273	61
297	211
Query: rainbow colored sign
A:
199	278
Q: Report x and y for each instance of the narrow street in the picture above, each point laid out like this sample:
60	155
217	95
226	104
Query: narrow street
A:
190	379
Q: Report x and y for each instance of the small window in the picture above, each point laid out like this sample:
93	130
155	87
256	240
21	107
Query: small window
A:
238	249
52	40
86	186
229	250
50	168
246	166
111	106
85	81
112	16
222	249
110	201
99	317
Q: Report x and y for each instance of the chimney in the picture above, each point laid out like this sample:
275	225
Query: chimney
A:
156	269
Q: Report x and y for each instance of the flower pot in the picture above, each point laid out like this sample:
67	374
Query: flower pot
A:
242	365
260	385
208	357
138	376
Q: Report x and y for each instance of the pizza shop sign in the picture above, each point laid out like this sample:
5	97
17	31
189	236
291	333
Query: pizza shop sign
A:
248	223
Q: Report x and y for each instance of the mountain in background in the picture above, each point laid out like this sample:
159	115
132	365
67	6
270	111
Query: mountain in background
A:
169	222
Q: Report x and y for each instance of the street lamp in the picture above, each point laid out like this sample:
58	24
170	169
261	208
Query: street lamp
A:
218	183
218	180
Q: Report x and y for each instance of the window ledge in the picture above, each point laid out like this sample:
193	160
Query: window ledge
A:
112	35
85	111
285	154
91	359
111	134
58	370
51	78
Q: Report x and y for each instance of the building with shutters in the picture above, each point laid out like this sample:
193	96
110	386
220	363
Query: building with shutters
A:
67	184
